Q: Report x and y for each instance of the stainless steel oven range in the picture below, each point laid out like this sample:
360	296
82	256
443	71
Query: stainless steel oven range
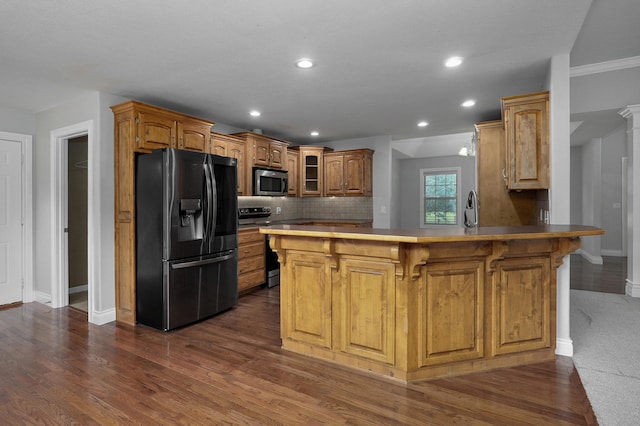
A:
260	216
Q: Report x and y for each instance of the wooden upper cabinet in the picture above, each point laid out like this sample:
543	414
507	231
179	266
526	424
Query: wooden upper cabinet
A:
497	206
158	128
155	131
292	169
348	173
234	147
311	159
193	136
526	123
265	151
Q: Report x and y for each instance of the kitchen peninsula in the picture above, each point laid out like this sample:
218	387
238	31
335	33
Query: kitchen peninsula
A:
419	304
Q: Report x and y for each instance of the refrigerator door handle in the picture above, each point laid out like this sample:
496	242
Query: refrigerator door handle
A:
208	183
194	263
214	197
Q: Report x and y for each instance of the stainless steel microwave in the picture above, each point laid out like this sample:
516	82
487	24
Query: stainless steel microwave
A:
270	182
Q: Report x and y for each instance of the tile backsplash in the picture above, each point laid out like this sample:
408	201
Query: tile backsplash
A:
313	207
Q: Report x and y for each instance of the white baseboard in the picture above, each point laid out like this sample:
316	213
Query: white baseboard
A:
595	260
104	317
564	347
613	253
78	289
632	289
43	298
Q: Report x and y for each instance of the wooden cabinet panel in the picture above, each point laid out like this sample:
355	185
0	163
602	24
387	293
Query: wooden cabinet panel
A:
312	170
193	136
261	152
278	153
155	131
292	168
234	147
308	300
251	259
348	173
520	303
451	313
497	206
367	309
333	169
526	121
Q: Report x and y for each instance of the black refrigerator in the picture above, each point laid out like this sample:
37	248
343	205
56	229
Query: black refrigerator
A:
186	237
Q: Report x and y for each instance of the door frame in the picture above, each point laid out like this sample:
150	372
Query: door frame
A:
26	144
59	217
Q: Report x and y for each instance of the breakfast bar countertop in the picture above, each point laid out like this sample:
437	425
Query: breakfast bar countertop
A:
453	234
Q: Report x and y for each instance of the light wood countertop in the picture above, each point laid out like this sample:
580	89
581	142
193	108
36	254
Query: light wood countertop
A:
419	236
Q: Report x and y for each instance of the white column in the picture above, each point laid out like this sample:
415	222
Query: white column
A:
559	192
632	114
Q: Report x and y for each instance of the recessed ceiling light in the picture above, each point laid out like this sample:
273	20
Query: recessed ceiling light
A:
305	63
255	113
453	62
423	124
468	103
314	133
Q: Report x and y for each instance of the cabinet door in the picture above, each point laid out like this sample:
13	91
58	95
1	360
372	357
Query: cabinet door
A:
521	300
312	173
451	302
278	153
333	170
237	150
292	161
193	136
261	152
306	299
367	309
219	148
353	174
155	131
527	133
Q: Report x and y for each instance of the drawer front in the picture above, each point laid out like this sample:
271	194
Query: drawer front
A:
251	279
249	235
251	264
249	250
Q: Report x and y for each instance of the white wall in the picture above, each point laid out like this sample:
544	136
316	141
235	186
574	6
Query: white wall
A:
93	107
409	188
382	174
15	121
576	185
591	197
613	149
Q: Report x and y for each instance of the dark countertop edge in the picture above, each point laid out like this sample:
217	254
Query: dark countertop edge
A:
436	235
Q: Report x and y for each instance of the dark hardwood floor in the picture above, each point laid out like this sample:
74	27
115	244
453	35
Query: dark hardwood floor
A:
610	277
55	368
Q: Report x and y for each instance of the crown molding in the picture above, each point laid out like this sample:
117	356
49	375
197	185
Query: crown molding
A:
615	65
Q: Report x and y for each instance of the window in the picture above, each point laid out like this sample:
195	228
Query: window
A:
440	197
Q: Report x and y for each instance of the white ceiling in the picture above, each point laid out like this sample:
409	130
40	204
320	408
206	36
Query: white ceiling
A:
379	62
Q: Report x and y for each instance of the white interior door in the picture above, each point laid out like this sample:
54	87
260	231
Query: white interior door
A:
11	244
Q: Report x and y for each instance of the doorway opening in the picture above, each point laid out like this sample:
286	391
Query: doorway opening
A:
77	177
72	215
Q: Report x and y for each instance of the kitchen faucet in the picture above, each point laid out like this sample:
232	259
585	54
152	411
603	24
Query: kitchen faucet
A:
471	210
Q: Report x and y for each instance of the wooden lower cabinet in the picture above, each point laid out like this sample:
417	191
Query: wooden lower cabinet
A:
520	304
308	301
367	329
419	311
251	259
451	313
